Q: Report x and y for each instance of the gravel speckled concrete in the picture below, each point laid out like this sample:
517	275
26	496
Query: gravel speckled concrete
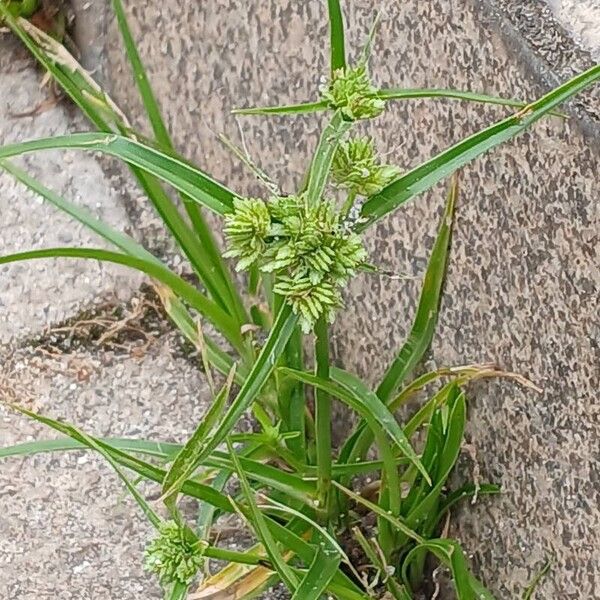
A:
523	285
582	19
69	529
38	293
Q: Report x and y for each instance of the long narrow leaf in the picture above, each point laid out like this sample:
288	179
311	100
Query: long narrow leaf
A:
388	95
369	407
147	470
198	246
336	36
529	592
447	458
451	554
164	450
163	139
141	79
391	498
167	451
203	305
449	94
425	321
290	109
317	578
429	173
323	156
123	241
174	171
93	444
186	460
259	525
260	372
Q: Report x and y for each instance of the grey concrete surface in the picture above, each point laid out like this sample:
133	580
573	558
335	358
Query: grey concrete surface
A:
69	530
523	285
582	19
522	288
36	294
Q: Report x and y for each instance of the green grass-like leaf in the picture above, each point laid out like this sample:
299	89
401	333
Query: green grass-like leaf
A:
198	245
324	566
451	554
389	94
430	172
201	303
99	447
529	592
254	383
165	142
336	36
423	328
172	170
163	450
259	524
289	109
369	407
323	156
448	94
186	460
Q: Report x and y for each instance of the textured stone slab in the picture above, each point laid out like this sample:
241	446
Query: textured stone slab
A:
523	284
36	294
522	290
69	530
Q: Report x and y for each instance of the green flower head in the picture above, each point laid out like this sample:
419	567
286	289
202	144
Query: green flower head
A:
310	301
246	230
174	555
355	166
351	91
306	246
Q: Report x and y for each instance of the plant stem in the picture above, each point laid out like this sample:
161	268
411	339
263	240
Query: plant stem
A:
245	558
348	203
322	417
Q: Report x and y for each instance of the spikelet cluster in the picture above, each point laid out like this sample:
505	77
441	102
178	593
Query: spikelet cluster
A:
312	254
174	555
351	91
356	167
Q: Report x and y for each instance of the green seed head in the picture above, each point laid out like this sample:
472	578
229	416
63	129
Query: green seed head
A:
246	230
174	555
356	167
310	301
308	248
351	91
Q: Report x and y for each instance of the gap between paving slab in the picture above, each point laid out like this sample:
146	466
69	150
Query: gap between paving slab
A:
36	294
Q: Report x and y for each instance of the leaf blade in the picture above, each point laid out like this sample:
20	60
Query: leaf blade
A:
172	170
252	386
317	578
186	291
423	327
437	168
260	526
374	412
336	36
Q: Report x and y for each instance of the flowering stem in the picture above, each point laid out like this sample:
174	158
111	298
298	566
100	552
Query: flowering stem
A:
348	204
322	417
245	558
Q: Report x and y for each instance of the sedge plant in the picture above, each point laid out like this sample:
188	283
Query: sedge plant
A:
302	499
